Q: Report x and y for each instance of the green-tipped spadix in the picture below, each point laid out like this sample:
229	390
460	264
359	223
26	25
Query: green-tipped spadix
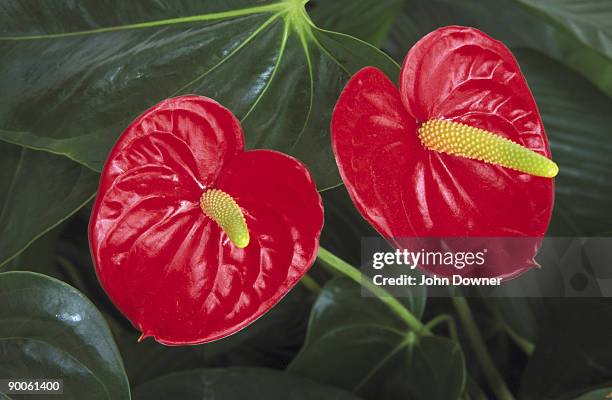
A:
223	209
466	141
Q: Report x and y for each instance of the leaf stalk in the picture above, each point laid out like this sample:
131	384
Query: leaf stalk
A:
482	354
330	261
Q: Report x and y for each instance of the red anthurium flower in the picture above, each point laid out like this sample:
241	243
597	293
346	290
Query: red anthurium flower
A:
458	150
194	238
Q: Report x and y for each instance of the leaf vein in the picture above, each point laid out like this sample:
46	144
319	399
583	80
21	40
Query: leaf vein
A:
272	75
275	7
230	55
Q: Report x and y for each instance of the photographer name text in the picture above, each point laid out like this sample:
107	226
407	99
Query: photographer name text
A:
423	280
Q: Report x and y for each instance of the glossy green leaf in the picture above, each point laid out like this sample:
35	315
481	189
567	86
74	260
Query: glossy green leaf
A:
573	354
76	76
519	25
385	360
40	256
237	384
37	191
577	118
48	329
589	20
369	20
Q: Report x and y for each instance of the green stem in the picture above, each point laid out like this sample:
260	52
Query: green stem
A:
331	261
311	284
525	345
450	322
488	367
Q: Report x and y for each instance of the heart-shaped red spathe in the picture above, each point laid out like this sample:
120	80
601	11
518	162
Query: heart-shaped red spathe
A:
170	269
408	191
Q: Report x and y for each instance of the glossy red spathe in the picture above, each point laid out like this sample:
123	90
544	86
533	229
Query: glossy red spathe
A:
170	269
408	191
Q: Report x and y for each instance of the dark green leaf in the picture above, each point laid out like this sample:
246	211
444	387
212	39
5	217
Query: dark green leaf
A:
589	20
600	394
76	77
237	384
524	315
519	25
472	390
369	20
573	353
577	118
356	343
38	190
48	329
40	256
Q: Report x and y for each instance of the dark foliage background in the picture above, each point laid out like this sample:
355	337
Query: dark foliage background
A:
64	99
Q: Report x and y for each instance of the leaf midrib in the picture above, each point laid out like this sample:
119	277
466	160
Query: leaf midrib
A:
404	340
281	52
11	187
405	343
278	7
295	19
242	45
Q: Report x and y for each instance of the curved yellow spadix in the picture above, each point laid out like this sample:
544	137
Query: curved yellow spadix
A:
466	141
223	209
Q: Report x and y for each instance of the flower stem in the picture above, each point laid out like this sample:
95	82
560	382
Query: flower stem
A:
330	261
450	322
525	345
310	284
488	367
